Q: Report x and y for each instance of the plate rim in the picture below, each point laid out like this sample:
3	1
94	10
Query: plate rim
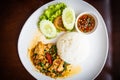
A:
106	32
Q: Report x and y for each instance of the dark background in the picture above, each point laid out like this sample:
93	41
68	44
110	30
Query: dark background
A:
14	13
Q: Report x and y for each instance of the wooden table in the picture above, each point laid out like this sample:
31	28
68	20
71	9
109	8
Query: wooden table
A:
14	13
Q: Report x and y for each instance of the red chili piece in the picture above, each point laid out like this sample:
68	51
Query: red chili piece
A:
49	58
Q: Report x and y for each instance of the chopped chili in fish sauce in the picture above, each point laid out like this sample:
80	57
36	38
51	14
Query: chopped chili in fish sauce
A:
86	23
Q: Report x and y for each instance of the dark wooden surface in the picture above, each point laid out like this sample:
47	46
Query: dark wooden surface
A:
14	13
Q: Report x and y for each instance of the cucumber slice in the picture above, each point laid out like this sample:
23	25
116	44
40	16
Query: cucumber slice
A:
68	18
48	28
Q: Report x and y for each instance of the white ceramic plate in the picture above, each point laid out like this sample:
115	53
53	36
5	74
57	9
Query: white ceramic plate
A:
98	42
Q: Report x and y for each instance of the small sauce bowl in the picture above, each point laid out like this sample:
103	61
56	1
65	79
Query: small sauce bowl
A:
86	22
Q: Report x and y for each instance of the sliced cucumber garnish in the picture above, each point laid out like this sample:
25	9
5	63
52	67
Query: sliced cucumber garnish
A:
68	17
48	28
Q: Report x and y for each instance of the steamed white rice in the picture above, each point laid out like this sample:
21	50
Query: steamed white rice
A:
72	47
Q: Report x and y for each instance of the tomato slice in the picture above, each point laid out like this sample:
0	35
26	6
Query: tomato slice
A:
59	23
49	58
